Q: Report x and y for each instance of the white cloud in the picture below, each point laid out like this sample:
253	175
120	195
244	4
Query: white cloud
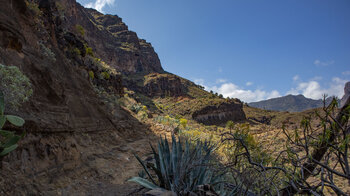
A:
219	81
234	91
296	77
99	4
312	89
199	81
323	63
346	73
249	83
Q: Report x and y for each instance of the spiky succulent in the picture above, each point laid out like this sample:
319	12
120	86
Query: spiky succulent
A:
179	167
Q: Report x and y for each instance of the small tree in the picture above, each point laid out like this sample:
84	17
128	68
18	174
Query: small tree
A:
320	154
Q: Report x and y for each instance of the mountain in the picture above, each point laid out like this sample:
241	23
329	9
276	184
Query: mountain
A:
291	103
83	66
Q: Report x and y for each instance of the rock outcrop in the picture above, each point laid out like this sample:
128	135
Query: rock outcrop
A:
220	114
346	94
112	41
162	85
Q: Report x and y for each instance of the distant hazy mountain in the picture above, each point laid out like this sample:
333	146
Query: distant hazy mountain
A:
291	103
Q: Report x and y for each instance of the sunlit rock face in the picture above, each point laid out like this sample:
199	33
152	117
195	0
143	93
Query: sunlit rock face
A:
214	115
346	94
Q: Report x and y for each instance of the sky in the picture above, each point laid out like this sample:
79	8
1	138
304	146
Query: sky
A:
247	49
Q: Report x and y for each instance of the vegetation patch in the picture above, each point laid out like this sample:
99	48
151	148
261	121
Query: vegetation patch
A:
15	85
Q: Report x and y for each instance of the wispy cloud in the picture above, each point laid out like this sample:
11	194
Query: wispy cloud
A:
249	83
320	63
99	4
346	73
296	78
219	81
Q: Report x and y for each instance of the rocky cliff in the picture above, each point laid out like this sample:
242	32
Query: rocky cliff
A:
74	140
220	114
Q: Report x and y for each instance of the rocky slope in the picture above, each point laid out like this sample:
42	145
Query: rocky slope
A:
79	140
73	141
291	103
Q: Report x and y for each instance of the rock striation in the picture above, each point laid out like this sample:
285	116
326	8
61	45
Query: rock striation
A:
220	114
73	137
162	85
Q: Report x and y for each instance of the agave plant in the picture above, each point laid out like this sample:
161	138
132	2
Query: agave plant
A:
179	168
8	139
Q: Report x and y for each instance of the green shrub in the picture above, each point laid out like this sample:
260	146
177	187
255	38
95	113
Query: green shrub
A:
15	86
80	29
76	51
89	51
105	75
47	52
8	139
183	122
136	108
179	170
91	75
34	8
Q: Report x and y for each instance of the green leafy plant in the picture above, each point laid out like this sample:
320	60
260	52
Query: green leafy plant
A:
80	29
183	122
8	139
89	51
105	75
91	75
181	170
15	86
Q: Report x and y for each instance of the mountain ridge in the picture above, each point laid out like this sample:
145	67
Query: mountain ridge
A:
290	103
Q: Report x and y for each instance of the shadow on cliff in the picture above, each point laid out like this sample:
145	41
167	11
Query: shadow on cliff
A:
73	140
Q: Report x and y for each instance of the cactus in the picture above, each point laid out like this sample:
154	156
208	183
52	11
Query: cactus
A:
8	139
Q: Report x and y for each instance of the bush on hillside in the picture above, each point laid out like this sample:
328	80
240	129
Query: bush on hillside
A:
15	86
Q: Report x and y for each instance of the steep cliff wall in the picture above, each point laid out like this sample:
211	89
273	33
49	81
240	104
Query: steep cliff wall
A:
73	141
111	40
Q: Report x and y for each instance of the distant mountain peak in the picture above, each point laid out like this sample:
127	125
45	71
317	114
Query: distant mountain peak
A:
291	103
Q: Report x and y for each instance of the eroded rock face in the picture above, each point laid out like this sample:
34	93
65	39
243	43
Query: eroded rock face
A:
111	40
346	94
220	114
162	85
73	139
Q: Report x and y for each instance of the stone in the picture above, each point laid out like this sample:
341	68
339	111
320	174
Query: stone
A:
346	94
220	114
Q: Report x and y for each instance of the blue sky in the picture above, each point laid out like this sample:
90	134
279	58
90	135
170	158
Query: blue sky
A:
250	49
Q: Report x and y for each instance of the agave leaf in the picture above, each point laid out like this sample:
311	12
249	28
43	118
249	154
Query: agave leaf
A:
162	166
8	150
15	120
174	159
167	155
2	103
156	168
145	168
143	182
